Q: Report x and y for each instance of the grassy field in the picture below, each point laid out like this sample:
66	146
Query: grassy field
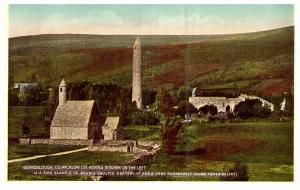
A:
266	142
142	132
256	171
265	148
15	171
20	151
32	116
176	61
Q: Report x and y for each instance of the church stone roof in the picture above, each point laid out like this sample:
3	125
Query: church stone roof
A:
73	114
112	122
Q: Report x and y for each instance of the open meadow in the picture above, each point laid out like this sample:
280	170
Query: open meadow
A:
265	148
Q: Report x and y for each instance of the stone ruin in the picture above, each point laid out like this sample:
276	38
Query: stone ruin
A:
124	146
224	104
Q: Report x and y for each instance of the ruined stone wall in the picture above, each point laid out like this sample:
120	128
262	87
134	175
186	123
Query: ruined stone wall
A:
40	141
112	146
119	148
24	140
264	102
222	102
55	141
143	147
69	133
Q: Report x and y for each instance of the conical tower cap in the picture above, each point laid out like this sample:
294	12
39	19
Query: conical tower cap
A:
137	41
63	83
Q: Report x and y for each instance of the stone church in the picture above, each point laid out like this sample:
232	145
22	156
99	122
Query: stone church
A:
75	119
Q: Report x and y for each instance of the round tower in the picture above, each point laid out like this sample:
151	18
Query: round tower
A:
62	91
137	73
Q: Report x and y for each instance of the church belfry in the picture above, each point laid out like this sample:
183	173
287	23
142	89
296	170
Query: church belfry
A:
62	91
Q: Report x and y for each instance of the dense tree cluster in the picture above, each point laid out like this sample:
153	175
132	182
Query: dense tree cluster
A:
112	99
251	108
209	109
36	96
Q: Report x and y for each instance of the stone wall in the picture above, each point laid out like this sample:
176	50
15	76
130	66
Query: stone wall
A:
24	140
69	133
145	146
40	141
55	141
222	103
113	146
143	157
124	146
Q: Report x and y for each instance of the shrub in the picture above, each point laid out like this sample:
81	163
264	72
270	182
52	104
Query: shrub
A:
13	140
242	173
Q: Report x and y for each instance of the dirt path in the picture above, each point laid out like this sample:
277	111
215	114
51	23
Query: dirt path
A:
42	156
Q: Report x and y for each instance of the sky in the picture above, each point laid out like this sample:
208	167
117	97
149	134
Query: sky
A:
147	19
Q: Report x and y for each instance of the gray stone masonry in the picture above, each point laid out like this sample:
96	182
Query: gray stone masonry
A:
137	73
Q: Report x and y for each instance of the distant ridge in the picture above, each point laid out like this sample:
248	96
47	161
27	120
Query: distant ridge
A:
255	63
93	35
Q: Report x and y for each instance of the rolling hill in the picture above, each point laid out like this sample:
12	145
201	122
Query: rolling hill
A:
260	61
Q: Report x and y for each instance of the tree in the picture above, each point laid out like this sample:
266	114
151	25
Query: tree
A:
25	130
13	98
35	96
148	97
251	108
143	118
170	134
185	107
165	102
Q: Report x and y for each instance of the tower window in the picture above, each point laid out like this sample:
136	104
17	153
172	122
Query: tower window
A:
60	89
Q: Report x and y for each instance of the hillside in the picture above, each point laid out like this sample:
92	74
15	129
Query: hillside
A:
261	61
